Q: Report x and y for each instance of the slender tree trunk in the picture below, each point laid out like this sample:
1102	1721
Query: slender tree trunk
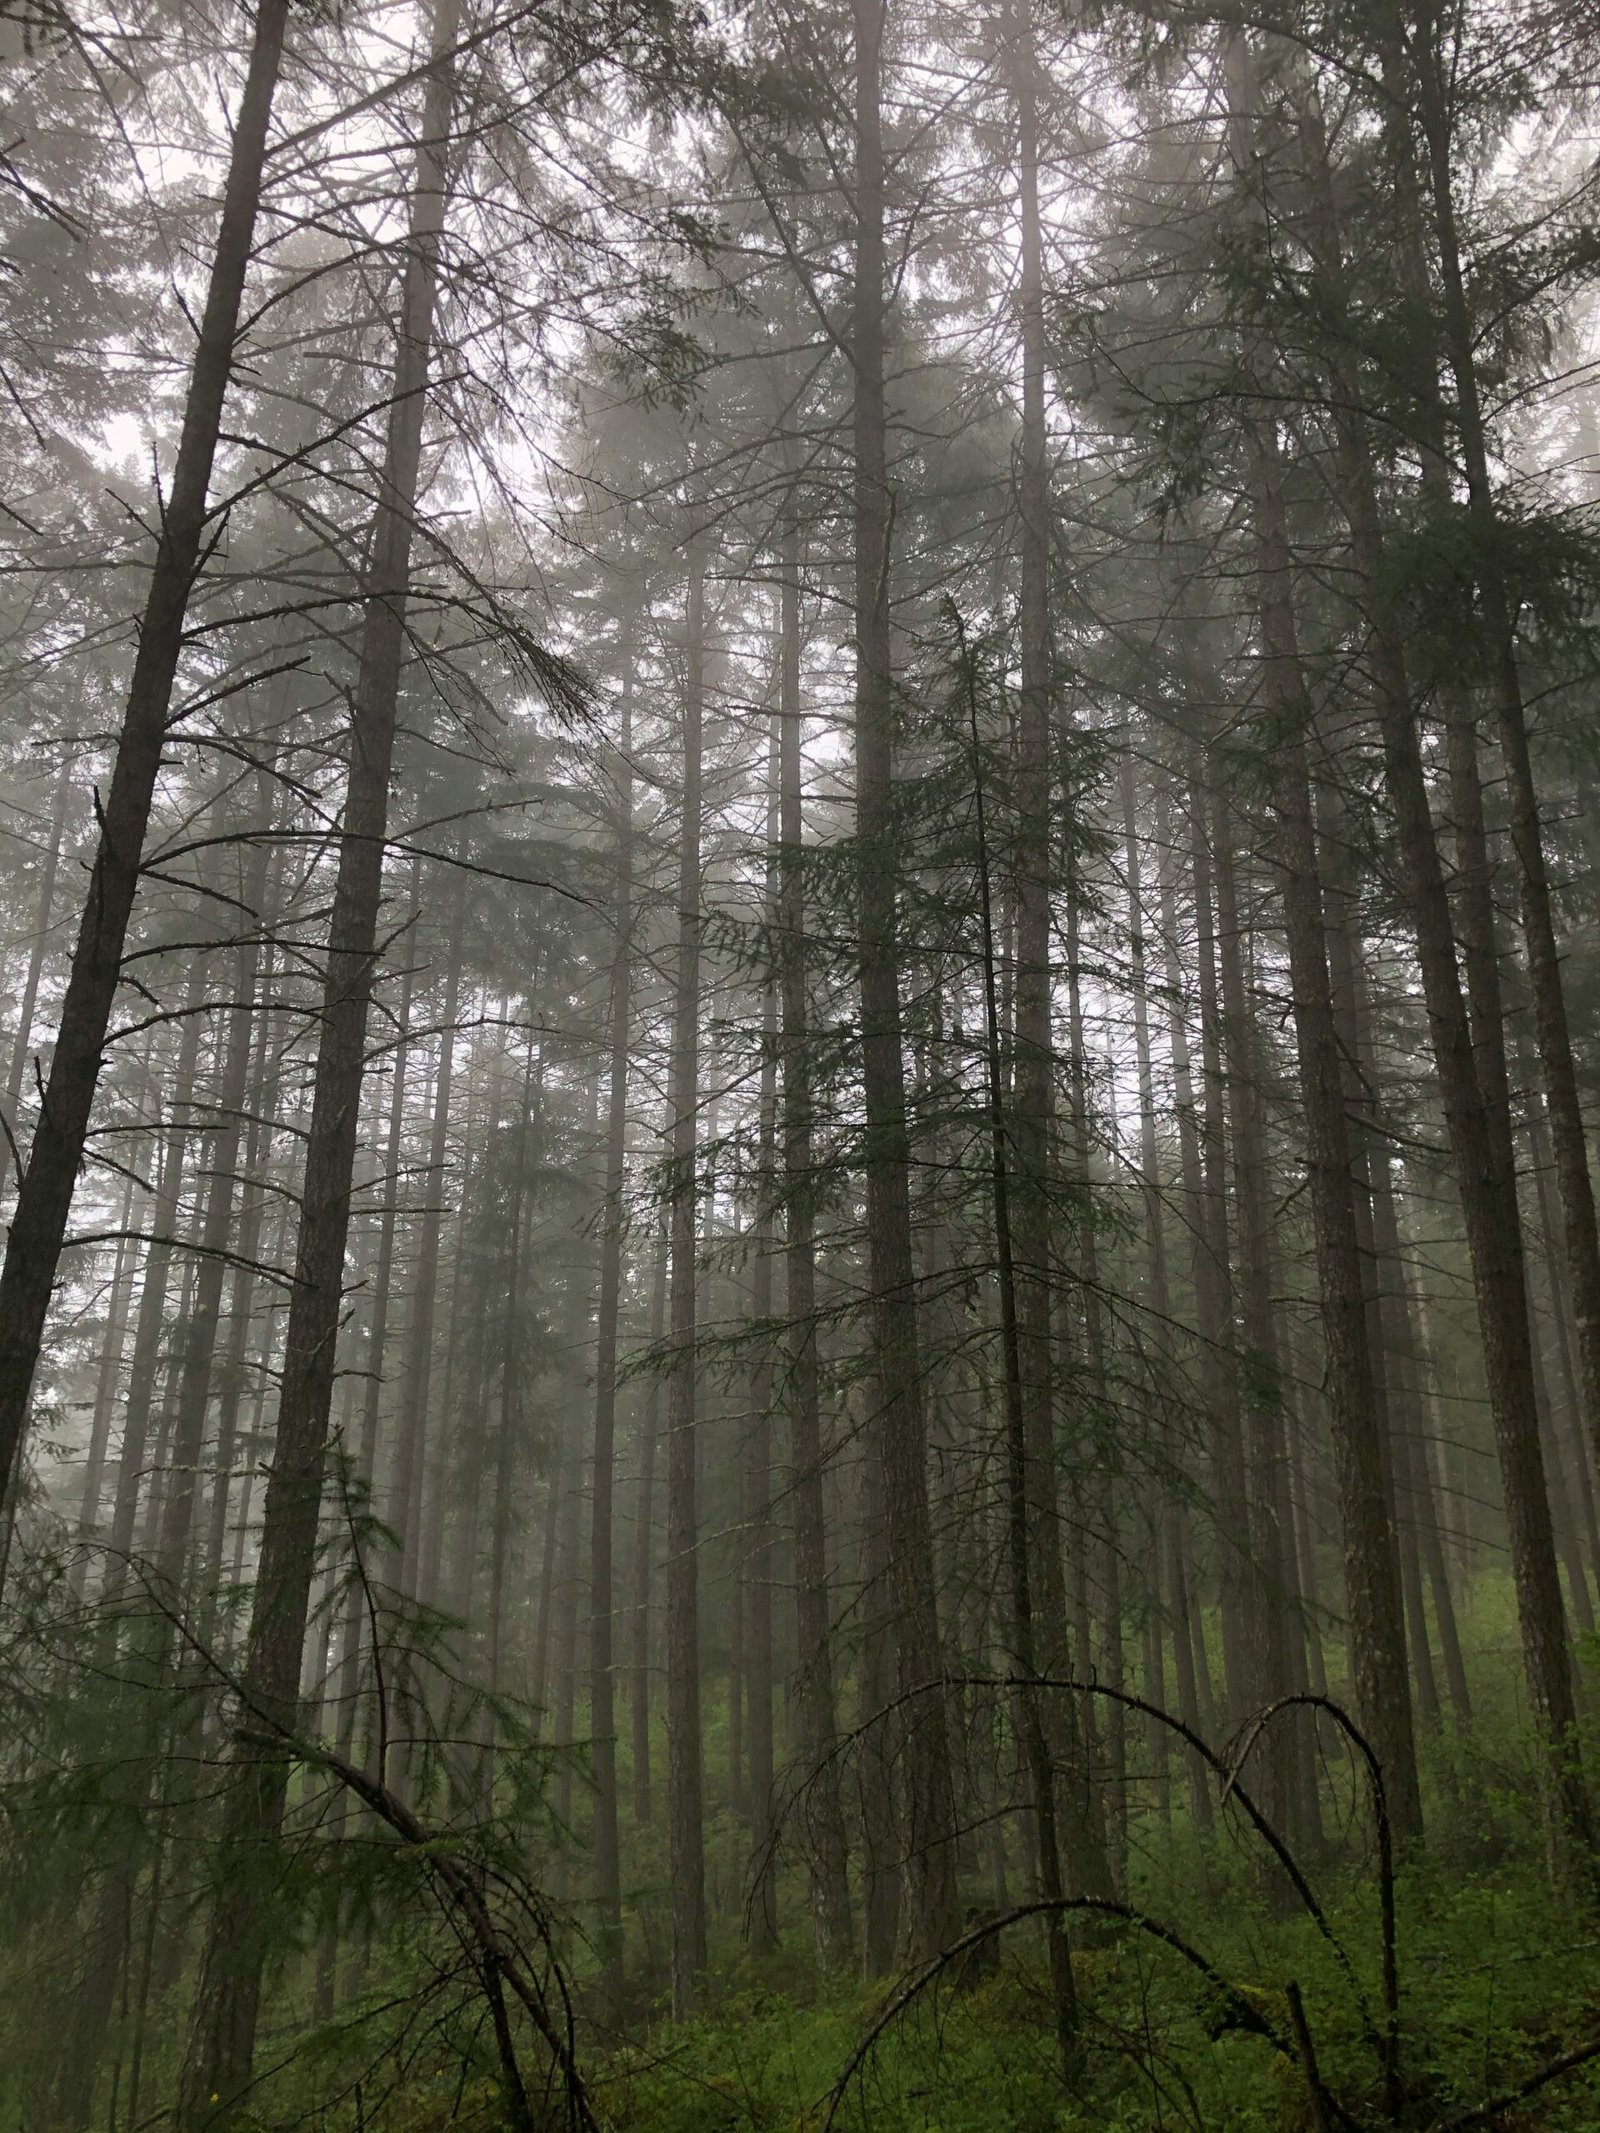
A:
1261	1369
1561	1317
1193	1674
433	1506
685	1808
1265	1578
44	1197
602	1594
881	1842
1033	1061
133	1455
1156	1264
1373	1605
222	2041
1213	1278
216	1223
360	1463
513	1385
105	1394
569	1568
927	1805
263	1103
826	1852
22	1040
1352	1012
757	1613
411	1421
1421	1479
1095	1814
644	1553
361	1460
1021	1520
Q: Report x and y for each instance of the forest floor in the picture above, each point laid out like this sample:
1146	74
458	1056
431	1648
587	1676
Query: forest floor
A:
1496	1979
1188	2012
1495	1982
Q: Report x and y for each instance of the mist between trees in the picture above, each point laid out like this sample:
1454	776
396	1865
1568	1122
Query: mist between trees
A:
801	1310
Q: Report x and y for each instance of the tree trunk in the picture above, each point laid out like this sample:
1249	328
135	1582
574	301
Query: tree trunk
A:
222	2041
502	1509
1100	1856
216	1223
361	1460
22	1040
1373	1606
1213	1278
757	1566
1561	1317
433	1497
816	1723
927	1803
44	1198
602	1594
1021	1522
685	1808
1486	1185
132	1459
411	1421
263	1103
105	1393
1208	1279
1567	1133
1033	1048
644	1553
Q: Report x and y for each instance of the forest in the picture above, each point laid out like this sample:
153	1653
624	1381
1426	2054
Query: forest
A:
799	820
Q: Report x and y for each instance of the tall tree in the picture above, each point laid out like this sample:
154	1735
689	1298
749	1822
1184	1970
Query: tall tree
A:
927	1808
44	1197
685	1782
221	2045
814	1677
602	1594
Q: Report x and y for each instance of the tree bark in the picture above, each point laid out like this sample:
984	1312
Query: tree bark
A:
602	1595
411	1421
1033	1061
105	1394
757	1565
216	1223
1189	1661
927	1804
816	1727
22	1040
133	1453
263	1104
685	1803
502	1509
1021	1520
644	1553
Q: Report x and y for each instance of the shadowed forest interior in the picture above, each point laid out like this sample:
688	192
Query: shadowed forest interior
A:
800	1322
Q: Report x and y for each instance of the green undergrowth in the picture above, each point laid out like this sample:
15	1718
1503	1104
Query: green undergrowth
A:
1497	1978
1495	1981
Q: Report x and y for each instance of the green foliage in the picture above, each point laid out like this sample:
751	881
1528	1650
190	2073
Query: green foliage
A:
1490	1990
1436	567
